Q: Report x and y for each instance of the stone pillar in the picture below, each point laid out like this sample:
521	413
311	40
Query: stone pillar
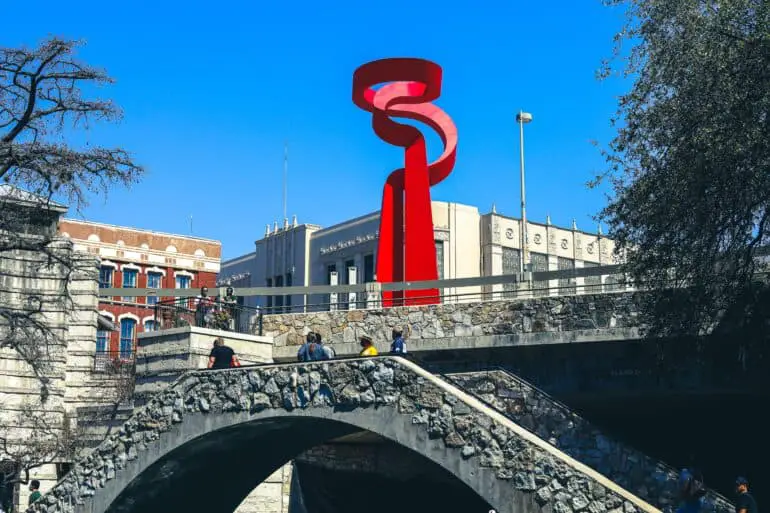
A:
352	280
271	496
333	280
165	355
31	282
495	261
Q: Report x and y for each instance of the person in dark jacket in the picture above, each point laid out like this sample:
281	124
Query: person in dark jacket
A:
34	487
398	346
222	357
745	503
691	491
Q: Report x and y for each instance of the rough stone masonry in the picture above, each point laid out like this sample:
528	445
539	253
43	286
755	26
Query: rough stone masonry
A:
475	442
514	317
550	420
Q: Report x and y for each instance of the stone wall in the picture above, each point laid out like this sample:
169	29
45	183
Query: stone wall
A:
271	496
389	396
513	317
84	386
550	420
163	356
382	459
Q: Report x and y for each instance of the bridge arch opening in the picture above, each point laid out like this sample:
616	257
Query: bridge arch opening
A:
216	471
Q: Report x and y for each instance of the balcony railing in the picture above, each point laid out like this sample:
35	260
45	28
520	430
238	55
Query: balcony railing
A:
210	313
114	362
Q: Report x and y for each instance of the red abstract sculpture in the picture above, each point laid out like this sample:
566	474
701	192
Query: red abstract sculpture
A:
407	250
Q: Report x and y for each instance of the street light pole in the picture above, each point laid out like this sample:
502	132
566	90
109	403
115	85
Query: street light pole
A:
521	119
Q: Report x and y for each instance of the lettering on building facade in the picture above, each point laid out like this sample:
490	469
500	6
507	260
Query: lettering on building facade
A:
344	244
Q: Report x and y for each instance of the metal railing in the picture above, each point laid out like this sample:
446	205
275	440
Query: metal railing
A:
522	281
114	362
583	280
326	302
210	313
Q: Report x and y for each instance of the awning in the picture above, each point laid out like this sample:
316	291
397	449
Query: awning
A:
105	324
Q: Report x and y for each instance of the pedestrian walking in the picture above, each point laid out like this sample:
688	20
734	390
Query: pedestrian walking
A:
222	357
367	345
328	351
398	346
311	350
34	487
745	502
691	491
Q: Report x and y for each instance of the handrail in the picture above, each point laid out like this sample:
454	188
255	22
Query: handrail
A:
527	435
367	287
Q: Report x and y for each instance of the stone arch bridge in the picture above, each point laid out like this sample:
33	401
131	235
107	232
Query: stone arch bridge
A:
207	440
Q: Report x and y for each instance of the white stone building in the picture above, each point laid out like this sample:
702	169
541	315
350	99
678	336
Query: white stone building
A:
30	280
468	244
79	389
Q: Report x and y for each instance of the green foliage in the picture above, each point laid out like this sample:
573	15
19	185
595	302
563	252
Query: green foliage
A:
690	165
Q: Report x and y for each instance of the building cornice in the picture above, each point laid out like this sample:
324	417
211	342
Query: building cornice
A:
142	230
99	246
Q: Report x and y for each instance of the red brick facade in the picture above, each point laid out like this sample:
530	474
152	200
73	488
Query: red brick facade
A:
174	260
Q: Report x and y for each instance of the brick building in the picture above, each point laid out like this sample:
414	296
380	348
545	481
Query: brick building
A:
133	258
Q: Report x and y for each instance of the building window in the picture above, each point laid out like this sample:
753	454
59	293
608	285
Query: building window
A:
127	333
279	299
511	265
105	277
593	284
289	280
150	325
368	268
154	281
183	281
440	258
566	285
539	264
129	282
62	469
269	298
102	341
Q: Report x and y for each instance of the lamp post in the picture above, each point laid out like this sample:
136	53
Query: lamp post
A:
521	119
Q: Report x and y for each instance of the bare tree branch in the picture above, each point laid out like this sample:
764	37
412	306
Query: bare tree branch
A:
43	97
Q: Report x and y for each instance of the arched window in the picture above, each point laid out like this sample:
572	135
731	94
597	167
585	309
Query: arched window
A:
150	325
127	335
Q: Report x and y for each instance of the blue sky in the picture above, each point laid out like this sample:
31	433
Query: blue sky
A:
212	90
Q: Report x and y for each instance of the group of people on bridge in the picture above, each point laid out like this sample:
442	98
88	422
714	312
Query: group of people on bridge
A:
314	348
